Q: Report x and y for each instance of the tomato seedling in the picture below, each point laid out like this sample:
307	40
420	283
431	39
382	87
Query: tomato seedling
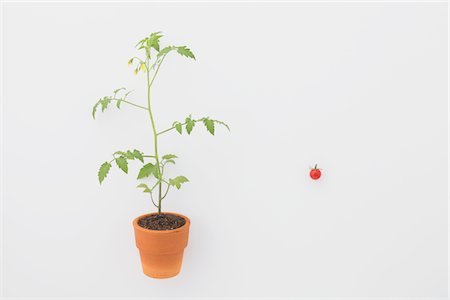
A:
154	164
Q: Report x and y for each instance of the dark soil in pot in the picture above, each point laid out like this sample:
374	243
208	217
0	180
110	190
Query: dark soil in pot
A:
161	221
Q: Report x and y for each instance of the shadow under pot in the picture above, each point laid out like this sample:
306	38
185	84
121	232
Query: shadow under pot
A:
161	251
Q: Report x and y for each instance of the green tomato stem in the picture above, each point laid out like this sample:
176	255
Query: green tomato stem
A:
155	135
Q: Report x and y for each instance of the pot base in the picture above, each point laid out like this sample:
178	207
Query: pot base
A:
161	266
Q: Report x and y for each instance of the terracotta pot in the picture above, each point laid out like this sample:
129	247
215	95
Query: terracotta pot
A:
161	250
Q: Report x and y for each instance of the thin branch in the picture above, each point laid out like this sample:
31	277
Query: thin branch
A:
165	194
131	103
157	69
169	129
135	57
153	187
151	197
162	173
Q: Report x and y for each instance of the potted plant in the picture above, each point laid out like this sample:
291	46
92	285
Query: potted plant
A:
160	236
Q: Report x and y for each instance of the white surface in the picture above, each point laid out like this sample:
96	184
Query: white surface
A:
361	89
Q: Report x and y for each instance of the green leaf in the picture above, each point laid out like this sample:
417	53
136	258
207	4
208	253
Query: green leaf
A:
189	124
185	51
94	109
153	40
129	155
209	124
126	94
179	128
119	153
118	103
103	171
118	90
178	181
145	187
169	156
141	42
164	51
122	163
137	154
170	161
223	124
156	172
104	102
146	170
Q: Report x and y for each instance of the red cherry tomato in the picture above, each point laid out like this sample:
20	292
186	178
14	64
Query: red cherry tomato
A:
315	173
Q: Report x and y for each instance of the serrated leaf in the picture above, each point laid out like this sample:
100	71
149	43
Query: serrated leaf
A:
146	170
209	124
104	102
122	163
189	125
179	128
145	187
169	156
153	41
178	181
129	155
103	171
119	153
185	51
137	154
170	161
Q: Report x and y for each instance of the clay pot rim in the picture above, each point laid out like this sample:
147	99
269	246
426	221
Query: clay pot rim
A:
136	225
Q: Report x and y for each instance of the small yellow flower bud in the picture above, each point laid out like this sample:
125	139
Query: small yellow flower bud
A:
136	71
130	62
143	67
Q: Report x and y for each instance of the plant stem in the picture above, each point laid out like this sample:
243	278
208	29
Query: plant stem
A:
155	135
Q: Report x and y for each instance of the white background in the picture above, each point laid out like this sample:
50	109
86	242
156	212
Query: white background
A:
361	89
